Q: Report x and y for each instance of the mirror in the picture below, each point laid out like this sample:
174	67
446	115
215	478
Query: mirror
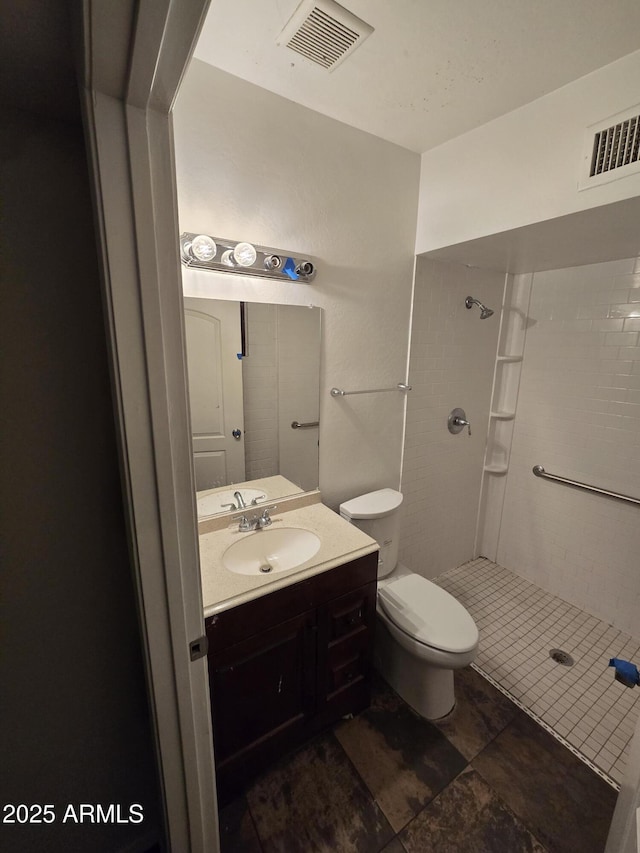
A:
254	389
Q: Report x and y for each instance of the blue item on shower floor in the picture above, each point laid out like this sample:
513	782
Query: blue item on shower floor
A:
626	672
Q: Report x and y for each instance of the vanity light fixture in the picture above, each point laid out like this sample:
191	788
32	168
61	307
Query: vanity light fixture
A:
201	247
242	258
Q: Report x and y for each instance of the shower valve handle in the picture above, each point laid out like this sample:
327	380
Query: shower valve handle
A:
457	421
463	423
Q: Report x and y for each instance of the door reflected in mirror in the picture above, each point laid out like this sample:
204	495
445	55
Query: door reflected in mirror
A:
254	417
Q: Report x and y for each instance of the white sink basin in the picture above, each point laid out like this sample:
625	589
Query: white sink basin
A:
211	504
269	551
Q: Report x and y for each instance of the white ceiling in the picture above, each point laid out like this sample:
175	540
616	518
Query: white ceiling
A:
432	69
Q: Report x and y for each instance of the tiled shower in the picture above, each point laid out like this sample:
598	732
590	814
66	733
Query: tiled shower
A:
578	415
519	622
574	408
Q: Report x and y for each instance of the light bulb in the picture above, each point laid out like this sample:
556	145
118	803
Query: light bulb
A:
244	254
203	248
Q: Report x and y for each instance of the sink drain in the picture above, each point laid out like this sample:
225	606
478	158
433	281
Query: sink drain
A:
561	657
267	568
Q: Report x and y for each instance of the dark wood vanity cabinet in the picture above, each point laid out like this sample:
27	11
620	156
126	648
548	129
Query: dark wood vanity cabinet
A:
286	665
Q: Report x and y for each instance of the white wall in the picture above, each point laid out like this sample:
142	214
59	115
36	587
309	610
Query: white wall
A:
578	415
255	166
523	167
452	358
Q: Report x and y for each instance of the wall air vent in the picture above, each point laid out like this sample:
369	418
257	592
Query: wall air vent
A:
324	32
612	149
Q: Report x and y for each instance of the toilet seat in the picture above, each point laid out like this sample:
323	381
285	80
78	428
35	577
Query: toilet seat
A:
428	614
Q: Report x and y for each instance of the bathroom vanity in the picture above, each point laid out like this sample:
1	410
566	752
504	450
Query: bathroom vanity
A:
289	654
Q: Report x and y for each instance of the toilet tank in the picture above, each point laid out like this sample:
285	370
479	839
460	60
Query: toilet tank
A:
378	515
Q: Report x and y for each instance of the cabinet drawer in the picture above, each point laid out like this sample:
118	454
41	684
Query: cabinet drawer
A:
348	614
347	661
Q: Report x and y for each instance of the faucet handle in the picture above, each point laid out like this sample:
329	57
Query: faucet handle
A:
254	502
245	524
265	519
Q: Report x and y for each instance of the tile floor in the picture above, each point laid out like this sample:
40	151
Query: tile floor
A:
486	779
519	623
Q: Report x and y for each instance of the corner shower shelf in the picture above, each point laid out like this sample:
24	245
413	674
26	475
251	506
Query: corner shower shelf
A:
496	469
510	347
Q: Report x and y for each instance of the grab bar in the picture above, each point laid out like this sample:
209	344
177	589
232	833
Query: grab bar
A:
338	392
539	471
308	425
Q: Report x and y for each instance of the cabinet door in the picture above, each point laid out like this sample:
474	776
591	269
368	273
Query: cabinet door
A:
264	687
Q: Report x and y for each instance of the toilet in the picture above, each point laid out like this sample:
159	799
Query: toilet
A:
423	633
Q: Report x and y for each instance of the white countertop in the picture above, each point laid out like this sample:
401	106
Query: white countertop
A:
222	589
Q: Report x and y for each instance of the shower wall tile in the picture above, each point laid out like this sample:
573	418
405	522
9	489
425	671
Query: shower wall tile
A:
451	365
578	415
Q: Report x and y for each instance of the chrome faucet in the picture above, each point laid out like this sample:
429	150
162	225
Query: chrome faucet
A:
257	522
241	501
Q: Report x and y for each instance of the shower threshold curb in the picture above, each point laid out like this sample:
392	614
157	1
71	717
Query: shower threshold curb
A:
547	727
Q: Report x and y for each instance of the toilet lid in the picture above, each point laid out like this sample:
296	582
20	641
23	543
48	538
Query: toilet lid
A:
429	614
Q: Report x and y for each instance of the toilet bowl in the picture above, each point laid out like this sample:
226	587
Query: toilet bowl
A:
423	633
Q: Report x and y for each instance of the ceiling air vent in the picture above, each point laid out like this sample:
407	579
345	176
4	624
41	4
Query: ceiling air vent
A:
324	32
612	149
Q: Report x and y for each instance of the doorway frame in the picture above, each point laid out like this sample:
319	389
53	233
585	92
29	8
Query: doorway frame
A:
131	58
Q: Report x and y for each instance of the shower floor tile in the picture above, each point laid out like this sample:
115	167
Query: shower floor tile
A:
519	624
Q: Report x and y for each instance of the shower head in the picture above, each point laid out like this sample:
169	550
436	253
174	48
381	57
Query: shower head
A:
484	311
